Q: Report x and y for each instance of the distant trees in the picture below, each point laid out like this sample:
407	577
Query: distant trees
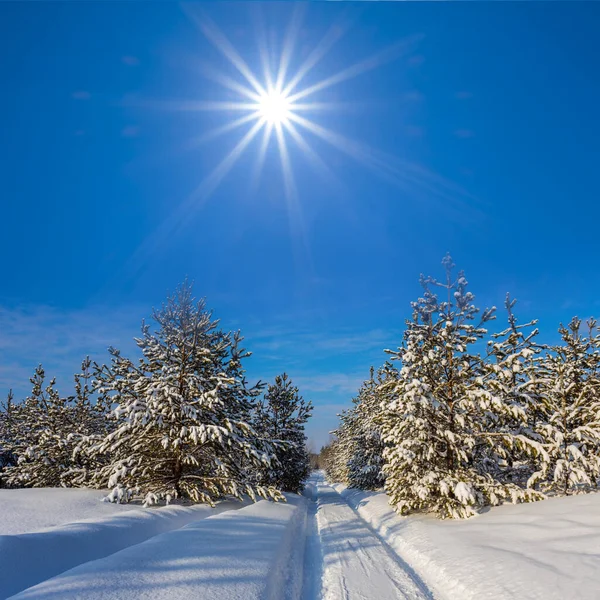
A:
179	422
455	428
281	417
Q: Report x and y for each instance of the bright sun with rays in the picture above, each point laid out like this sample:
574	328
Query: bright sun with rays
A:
276	104
275	107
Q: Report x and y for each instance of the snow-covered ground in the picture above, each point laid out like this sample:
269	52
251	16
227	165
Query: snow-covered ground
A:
250	554
333	544
29	558
547	550
356	563
28	510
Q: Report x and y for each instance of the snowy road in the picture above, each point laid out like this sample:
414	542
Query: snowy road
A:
356	563
312	548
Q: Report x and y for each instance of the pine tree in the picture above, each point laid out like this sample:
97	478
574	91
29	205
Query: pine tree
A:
281	417
45	431
342	447
7	430
183	412
512	401
365	466
570	422
434	427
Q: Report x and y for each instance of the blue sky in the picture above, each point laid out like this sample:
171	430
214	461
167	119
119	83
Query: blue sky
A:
475	131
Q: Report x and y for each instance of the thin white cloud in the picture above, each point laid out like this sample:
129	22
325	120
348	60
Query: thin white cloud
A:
344	383
30	335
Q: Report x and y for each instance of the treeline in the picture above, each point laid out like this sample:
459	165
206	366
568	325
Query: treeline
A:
179	422
460	418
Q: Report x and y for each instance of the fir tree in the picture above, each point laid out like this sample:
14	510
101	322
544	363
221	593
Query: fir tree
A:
281	417
183	412
433	427
570	423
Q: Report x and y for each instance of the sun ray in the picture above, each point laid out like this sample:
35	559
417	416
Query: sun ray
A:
228	82
220	41
219	131
288	45
318	163
260	157
391	53
191	105
263	50
334	33
210	183
295	216
390	168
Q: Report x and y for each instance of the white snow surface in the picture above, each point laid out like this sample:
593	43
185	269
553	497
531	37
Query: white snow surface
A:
346	545
29	558
357	564
254	553
547	550
28	510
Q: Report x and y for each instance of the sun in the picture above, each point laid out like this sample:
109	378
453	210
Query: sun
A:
275	107
278	104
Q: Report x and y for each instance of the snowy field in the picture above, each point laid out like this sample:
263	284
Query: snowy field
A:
26	511
333	544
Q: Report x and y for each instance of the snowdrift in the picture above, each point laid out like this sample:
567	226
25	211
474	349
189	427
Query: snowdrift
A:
252	553
28	558
547	550
33	509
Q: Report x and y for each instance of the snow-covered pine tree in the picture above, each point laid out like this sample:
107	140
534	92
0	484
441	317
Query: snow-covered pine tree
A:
434	424
570	424
183	412
365	467
512	402
7	428
44	433
281	417
91	416
342	447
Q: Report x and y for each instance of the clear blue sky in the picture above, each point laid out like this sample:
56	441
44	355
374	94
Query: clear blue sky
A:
478	135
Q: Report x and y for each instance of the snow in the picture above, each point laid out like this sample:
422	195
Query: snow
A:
336	543
30	558
547	550
252	553
28	510
356	563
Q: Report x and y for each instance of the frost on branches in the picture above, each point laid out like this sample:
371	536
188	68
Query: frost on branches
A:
342	448
512	397
42	436
281	417
183	416
570	409
355	456
433	428
365	467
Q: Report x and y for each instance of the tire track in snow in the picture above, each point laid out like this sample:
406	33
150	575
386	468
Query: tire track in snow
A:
356	563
